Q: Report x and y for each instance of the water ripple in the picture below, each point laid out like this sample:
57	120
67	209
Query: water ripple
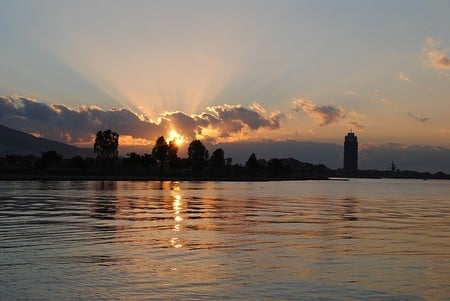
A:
203	240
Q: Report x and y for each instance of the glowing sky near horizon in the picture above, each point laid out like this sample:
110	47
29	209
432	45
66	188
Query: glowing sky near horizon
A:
379	67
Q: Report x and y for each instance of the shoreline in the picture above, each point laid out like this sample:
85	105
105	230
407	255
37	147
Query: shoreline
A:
152	178
120	178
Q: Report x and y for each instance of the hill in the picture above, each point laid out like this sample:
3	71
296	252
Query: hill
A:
13	142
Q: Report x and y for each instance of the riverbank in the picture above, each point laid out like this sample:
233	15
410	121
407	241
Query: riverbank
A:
44	177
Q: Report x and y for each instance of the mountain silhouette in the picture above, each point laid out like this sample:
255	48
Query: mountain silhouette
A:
13	142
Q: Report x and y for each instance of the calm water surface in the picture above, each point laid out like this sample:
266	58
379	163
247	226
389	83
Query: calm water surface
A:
329	240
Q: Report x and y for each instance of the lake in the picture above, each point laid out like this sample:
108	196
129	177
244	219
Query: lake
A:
361	239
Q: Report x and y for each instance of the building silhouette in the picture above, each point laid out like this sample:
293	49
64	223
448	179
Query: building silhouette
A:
351	152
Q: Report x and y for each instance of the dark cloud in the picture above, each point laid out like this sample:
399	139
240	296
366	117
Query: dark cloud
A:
124	121
62	123
7	108
324	115
251	118
225	120
35	110
77	125
16	107
421	119
185	124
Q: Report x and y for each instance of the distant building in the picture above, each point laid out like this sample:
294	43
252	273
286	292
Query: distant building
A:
351	152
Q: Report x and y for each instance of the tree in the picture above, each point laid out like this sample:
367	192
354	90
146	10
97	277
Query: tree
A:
172	150
51	157
106	145
252	163
133	159
218	159
161	151
172	154
198	155
148	159
78	162
48	158
275	166
393	167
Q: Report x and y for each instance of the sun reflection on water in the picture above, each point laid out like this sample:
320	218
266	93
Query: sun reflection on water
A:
175	243
177	206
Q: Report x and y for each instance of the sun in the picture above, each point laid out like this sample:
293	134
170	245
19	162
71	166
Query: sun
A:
174	136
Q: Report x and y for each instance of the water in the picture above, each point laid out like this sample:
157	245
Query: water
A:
307	240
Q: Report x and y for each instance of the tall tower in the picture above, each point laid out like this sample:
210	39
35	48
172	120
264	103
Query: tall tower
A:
351	152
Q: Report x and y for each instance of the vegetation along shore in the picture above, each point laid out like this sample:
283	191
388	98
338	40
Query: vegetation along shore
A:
164	164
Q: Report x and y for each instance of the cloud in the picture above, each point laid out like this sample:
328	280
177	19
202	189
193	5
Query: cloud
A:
435	58
431	42
257	107
417	118
324	115
62	123
78	125
250	118
353	119
356	125
348	92
404	77
384	101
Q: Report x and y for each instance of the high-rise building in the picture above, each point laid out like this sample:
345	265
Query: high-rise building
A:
351	152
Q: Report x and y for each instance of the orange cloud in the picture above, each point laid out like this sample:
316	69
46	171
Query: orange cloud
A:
77	125
435	58
404	77
324	115
127	140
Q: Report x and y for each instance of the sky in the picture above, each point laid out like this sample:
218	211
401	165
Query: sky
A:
228	71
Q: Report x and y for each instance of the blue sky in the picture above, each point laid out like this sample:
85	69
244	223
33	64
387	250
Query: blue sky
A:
287	70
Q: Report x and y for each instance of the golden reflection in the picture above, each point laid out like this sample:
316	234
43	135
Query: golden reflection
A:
177	207
177	204
175	243
174	186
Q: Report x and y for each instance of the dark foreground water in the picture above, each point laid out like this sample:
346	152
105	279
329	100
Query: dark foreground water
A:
329	240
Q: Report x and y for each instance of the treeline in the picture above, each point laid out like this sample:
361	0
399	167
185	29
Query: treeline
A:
162	162
388	174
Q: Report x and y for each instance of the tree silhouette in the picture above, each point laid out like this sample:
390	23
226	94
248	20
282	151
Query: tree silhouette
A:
161	151
79	163
275	166
172	154
48	158
218	159
147	160
106	145
133	159
198	155
252	163
393	167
